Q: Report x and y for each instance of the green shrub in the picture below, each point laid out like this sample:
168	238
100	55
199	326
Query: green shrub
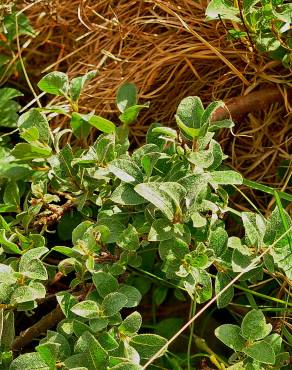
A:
118	216
264	24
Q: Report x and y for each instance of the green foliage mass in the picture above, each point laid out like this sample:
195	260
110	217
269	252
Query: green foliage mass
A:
160	208
263	24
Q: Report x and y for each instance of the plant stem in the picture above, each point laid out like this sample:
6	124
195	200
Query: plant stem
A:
249	296
192	313
202	345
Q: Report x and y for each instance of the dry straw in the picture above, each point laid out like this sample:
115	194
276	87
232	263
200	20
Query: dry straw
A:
170	52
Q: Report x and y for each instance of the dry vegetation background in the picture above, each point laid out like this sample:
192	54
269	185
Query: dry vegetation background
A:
170	52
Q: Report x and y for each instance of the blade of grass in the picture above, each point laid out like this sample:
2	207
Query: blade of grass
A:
267	189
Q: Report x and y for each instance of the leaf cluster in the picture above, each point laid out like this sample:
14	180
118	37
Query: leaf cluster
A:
160	208
265	24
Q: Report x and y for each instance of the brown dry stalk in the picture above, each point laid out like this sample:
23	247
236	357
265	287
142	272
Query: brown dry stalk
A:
38	329
256	101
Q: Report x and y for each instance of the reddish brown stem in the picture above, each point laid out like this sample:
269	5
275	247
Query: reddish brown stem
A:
39	328
255	101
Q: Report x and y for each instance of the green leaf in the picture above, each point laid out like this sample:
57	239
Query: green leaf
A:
64	350
275	340
188	131
8	107
97	355
126	170
126	96
35	252
30	135
222	9
7	274
218	125
254	226
24	151
161	229
203	285
218	241
78	83
105	283
167	131
98	324
8	93
125	194
48	353
88	309
129	239
126	366
11	194
159	295
190	112
8	246
66	301
113	303
7	331
29	361
261	351
132	294
80	361
23	26
226	178
102	124
221	281
131	113
165	196
168	327
80	126
230	335
207	115
34	119
35	269
131	324
148	345
55	83
254	325
237	366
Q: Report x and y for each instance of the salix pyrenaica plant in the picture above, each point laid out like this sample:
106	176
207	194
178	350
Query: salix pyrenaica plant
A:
264	24
160	207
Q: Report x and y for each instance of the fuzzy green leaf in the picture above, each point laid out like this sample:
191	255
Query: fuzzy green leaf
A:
24	151
55	83
165	196
113	303
220	283
131	324
161	229
102	124
105	283
129	239
88	309
147	345
230	335
126	195
254	325
132	294
78	83
261	351
126	170
226	178
36	120
126	96
29	361
131	113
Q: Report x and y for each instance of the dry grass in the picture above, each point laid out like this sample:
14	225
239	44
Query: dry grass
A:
170	52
